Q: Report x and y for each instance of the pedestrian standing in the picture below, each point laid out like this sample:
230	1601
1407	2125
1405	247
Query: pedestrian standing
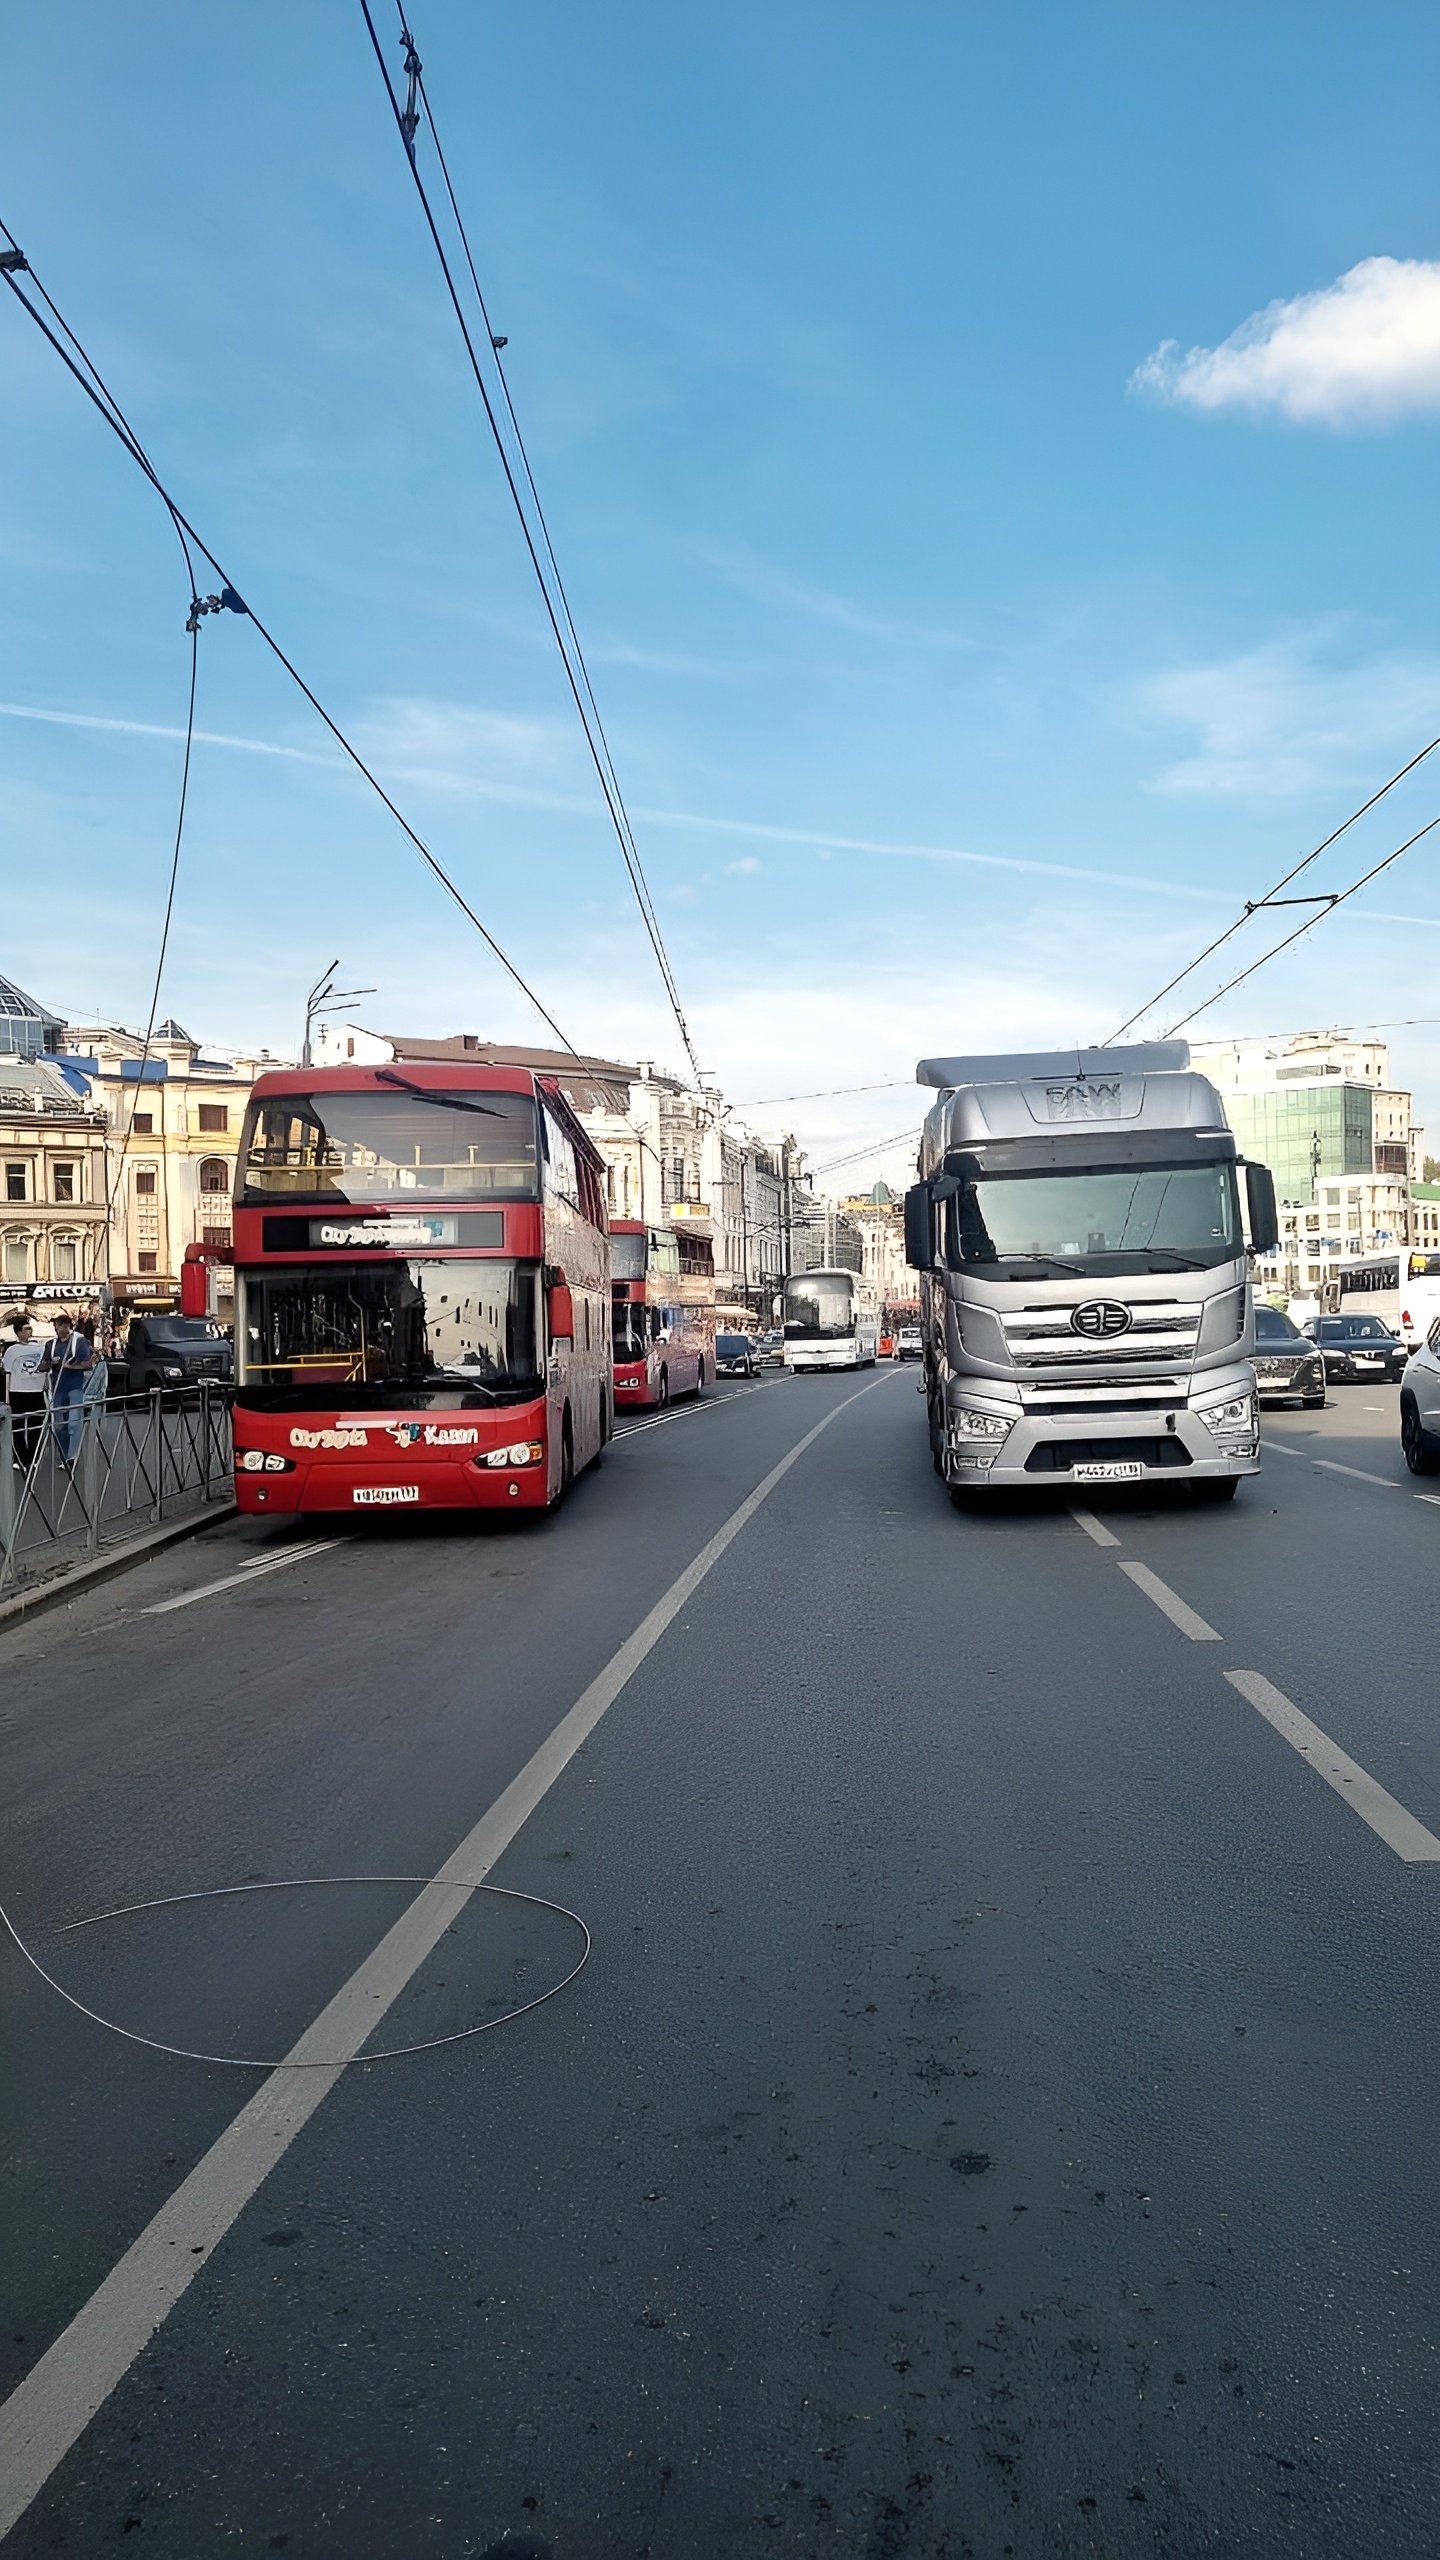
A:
25	1389
65	1364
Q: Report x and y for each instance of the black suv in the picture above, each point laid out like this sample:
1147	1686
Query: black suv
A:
171	1352
1357	1348
1287	1363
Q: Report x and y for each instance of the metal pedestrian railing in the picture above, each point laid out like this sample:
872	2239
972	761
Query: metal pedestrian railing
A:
77	1477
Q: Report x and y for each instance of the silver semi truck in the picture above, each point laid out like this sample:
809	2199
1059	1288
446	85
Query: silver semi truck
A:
1084	1275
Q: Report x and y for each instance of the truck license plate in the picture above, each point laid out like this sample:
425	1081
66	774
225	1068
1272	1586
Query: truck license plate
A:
387	1493
1108	1471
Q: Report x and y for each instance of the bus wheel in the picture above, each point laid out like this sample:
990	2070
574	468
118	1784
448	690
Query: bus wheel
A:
567	1459
662	1392
700	1380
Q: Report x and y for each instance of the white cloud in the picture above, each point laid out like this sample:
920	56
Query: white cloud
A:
747	862
1279	720
1358	353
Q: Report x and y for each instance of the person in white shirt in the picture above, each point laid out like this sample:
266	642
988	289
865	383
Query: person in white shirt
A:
25	1389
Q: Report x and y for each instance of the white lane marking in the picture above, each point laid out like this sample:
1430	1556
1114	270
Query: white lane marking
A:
1398	1829
1333	1467
1092	1527
1427	1497
50	2409
681	1413
1372	1408
1282	1449
1178	1611
245	1573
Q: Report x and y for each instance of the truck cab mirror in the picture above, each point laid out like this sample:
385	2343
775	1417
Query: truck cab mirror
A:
1260	1203
919	1228
560	1308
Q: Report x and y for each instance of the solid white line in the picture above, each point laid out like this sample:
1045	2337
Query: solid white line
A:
682	1412
245	1573
49	2410
1427	1497
1333	1467
1178	1611
1093	1528
1282	1449
1398	1829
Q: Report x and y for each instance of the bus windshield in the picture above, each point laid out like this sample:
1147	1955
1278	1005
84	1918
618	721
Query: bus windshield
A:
402	1334
389	1144
1159	1218
819	1304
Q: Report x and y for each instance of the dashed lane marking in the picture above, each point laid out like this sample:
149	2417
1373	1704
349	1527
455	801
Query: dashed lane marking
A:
1092	1527
1389	1820
244	1573
1333	1467
1178	1611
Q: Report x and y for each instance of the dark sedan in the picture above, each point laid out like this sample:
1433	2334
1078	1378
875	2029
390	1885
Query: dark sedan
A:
735	1356
1287	1364
1358	1350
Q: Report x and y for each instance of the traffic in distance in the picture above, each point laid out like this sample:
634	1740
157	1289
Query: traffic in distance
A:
434	1311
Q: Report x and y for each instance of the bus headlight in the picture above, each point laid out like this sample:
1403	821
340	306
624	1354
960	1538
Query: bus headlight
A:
521	1453
265	1462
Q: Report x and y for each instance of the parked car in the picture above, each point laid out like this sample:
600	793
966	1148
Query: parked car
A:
909	1343
1420	1407
173	1352
1357	1349
1288	1366
770	1349
735	1356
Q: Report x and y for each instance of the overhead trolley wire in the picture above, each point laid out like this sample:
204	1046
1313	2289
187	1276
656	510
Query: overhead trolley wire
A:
557	605
1272	897
12	264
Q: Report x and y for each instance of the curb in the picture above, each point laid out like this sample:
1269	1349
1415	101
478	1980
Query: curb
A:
83	1577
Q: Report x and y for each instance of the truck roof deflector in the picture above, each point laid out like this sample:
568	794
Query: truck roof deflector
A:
1145	1058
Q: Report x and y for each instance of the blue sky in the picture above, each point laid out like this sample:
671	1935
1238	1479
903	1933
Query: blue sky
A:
964	685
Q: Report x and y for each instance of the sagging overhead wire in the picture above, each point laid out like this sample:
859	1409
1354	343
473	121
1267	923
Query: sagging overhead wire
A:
1336	898
13	264
1272	897
537	539
880	1147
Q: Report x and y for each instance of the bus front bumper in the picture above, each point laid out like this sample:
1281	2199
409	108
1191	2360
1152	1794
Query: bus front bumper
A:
370	1463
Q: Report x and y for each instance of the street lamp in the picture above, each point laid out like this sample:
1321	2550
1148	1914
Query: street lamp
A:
326	997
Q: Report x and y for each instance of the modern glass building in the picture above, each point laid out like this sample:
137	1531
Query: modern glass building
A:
27	1030
1305	1133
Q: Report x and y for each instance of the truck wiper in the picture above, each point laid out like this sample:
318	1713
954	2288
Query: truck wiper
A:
1047	1261
1177	1261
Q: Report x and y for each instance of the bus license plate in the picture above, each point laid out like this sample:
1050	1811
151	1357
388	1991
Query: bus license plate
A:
1108	1471
387	1493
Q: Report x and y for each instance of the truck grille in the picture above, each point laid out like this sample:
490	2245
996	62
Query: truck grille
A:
1163	1330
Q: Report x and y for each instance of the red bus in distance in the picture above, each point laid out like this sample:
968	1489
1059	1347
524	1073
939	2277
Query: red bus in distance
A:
422	1289
662	1312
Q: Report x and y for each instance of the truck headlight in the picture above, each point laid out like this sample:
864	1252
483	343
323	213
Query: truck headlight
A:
1237	1414
968	1422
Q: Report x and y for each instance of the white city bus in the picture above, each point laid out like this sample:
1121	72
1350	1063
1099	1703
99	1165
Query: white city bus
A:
831	1321
1401	1286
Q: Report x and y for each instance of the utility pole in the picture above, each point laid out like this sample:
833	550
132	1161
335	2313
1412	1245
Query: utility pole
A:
326	997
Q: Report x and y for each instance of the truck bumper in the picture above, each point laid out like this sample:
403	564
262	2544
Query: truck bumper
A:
1176	1446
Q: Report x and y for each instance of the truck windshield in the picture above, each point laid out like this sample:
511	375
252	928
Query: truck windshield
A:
819	1304
1155	1218
391	1334
386	1145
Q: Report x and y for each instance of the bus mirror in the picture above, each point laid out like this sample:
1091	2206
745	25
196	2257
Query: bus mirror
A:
1260	1202
194	1289
562	1313
919	1228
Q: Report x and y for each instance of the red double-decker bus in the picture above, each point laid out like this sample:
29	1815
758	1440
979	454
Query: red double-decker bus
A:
662	1292
422	1298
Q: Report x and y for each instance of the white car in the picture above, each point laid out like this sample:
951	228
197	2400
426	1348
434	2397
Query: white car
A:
909	1343
1420	1406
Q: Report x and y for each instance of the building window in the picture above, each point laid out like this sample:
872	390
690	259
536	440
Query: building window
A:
214	1117
143	1124
215	1174
62	1259
145	1183
218	1238
145	1261
63	1175
17	1258
15	1183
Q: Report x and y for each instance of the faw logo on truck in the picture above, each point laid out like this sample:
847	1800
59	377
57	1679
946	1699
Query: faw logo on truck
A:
1100	1319
1086	1099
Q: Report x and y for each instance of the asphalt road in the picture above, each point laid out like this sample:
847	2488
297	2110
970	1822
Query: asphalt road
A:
998	2116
